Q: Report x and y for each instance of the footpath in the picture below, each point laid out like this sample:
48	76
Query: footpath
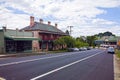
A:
22	54
116	68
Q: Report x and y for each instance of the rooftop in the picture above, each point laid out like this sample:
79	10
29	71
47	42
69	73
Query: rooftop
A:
40	26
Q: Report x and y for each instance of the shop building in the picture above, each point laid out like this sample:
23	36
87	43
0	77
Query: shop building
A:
15	41
107	41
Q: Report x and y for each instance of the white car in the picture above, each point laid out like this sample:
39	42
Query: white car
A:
111	50
73	49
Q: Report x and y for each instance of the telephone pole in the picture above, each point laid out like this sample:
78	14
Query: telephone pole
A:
70	29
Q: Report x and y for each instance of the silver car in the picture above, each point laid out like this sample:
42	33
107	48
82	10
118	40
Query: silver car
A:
111	50
73	49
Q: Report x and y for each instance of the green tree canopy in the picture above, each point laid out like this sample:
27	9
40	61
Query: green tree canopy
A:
91	40
79	44
105	34
81	38
68	40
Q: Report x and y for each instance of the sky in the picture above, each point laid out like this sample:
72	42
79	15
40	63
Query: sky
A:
88	17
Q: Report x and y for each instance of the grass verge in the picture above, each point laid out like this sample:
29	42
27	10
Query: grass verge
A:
117	53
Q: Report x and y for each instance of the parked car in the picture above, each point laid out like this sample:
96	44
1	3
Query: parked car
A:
70	49
88	48
82	49
111	50
76	49
73	49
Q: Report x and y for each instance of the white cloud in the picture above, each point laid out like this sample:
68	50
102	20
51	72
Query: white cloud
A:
103	22
82	14
11	20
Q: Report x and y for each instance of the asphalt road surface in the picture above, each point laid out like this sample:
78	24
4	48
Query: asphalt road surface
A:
92	64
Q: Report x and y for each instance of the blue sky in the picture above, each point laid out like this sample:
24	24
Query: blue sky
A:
113	14
88	17
16	11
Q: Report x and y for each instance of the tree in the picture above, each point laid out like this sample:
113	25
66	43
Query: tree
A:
59	41
81	39
67	32
105	34
91	40
79	44
70	42
67	40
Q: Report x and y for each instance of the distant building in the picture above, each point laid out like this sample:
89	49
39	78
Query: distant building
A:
14	41
46	32
106	41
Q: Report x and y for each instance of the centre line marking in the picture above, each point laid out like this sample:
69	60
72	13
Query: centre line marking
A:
12	63
52	71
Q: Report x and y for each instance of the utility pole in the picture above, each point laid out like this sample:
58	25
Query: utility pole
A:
70	29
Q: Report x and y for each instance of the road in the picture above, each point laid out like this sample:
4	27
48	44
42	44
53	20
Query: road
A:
92	64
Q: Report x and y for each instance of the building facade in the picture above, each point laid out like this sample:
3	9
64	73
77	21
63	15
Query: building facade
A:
46	32
15	41
107	41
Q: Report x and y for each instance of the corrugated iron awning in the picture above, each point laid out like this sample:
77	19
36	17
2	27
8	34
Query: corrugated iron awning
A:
22	38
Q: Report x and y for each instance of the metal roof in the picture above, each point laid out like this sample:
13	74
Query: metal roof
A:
22	38
108	38
44	27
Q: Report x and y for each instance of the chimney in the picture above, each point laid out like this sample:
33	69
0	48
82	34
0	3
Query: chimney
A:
31	21
41	20
49	23
56	25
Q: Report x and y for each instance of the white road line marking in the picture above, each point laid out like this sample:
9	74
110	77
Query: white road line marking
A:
12	63
52	71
